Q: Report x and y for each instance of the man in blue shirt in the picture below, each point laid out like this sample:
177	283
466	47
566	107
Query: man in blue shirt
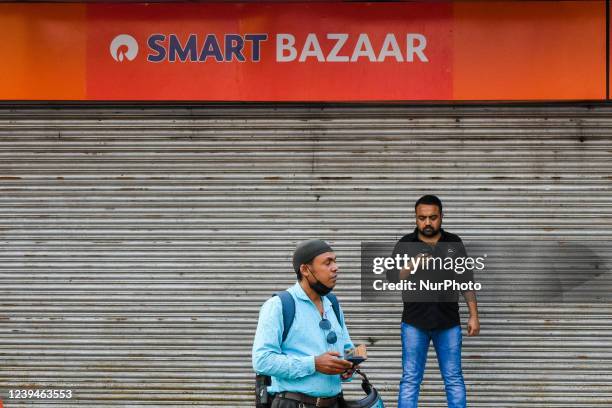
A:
307	368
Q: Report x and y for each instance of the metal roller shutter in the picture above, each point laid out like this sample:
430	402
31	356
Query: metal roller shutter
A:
137	244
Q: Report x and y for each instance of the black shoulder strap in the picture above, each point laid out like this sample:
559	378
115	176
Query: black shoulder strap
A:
336	306
288	311
288	304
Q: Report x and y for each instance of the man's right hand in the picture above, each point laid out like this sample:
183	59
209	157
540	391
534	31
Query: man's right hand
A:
329	363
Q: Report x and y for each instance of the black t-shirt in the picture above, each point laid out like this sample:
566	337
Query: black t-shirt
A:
441	311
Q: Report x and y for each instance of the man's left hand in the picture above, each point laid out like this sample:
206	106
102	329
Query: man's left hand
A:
473	326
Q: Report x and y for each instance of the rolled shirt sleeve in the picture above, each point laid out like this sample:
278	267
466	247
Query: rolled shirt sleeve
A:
393	273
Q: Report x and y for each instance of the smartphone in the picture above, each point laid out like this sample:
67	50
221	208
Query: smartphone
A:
356	360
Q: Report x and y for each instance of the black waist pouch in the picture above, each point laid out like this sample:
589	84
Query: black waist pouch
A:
262	398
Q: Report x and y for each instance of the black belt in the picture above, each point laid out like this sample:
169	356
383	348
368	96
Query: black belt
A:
306	399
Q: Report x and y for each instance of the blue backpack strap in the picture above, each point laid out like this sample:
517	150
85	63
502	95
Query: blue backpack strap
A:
288	311
336	306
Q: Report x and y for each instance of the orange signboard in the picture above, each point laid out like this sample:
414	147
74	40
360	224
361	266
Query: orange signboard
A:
414	51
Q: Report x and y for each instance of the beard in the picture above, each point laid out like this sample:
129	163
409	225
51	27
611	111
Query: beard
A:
429	231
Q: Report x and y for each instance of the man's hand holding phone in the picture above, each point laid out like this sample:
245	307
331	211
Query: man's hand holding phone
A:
419	260
330	363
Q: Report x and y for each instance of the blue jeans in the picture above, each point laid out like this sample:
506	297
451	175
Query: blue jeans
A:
415	343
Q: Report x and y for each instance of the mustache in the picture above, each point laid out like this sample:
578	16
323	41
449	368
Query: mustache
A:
429	230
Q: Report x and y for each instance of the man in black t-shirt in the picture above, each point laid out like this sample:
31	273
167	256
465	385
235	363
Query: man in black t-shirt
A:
431	312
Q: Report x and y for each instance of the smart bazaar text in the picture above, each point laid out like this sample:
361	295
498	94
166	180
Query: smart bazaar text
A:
332	47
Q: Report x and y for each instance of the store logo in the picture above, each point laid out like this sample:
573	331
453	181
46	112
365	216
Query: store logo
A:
123	45
248	47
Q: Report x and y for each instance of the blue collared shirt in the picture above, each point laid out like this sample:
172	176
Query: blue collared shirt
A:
292	363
